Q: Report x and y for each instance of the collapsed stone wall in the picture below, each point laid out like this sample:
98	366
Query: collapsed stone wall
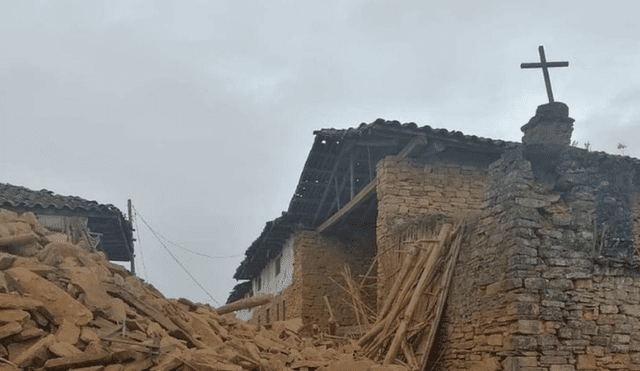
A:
408	190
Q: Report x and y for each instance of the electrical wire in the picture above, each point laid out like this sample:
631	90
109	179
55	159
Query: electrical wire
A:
195	252
176	259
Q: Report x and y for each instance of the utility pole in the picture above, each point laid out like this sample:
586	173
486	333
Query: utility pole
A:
132	255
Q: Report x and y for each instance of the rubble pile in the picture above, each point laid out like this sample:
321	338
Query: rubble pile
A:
63	307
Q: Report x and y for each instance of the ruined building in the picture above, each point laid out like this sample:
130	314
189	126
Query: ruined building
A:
547	277
103	227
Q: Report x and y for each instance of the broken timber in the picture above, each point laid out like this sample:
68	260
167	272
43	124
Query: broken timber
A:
367	190
244	304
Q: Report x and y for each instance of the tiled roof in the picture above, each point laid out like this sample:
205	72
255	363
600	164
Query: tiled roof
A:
307	202
21	197
107	220
411	128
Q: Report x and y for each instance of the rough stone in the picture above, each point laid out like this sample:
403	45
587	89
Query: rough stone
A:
57	302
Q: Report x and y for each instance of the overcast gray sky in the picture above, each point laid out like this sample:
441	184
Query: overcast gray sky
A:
202	112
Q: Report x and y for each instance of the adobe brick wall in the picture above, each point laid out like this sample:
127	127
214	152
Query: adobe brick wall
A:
283	307
320	259
408	190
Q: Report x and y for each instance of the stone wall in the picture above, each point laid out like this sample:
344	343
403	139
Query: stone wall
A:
534	288
408	190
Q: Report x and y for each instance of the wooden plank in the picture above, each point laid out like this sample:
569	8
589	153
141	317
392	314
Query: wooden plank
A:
357	200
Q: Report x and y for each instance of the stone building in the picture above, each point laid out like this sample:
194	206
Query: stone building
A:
547	278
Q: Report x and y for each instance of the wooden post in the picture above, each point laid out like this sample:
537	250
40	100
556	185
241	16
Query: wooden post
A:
131	254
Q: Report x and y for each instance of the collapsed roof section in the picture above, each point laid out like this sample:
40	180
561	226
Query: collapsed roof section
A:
342	162
116	231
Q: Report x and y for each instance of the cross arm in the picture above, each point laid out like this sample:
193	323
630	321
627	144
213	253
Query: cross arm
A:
548	64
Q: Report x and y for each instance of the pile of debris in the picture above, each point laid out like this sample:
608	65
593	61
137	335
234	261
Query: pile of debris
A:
63	307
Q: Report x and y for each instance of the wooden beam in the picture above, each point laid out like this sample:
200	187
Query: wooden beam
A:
357	200
378	143
368	189
326	190
337	191
247	303
336	203
353	180
412	144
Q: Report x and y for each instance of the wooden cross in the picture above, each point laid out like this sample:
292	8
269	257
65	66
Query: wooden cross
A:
545	70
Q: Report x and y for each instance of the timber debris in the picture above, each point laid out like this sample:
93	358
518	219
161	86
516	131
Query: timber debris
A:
406	325
64	307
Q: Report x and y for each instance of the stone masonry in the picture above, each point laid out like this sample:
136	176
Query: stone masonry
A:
408	190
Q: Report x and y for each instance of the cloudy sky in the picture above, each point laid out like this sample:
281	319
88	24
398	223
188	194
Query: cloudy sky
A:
202	112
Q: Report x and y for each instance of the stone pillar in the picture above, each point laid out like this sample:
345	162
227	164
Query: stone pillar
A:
550	126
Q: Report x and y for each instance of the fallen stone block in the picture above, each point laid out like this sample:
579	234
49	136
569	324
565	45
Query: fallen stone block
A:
29	333
13	315
6	261
86	359
95	296
9	329
353	365
11	301
60	304
88	335
63	349
36	354
68	332
140	365
201	327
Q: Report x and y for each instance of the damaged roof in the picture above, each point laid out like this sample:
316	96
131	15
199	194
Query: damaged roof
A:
338	153
18	196
108	220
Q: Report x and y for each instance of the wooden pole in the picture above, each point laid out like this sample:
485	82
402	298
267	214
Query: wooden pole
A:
133	264
245	304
